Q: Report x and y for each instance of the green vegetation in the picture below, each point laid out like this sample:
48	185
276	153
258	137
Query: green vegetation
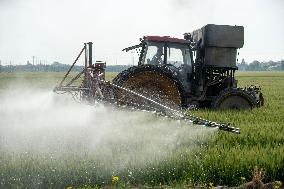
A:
224	159
261	142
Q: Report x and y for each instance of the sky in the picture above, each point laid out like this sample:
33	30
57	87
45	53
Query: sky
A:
55	30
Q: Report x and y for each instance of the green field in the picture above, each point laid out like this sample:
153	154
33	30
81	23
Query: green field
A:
261	142
222	159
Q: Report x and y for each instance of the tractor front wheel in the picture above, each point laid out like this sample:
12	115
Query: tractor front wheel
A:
234	99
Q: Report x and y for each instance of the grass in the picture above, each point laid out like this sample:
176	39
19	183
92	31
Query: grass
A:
224	159
227	157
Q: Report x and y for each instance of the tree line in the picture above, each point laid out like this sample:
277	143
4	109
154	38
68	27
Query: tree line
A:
261	66
59	67
54	67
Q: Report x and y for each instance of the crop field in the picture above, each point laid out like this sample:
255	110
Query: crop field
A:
51	145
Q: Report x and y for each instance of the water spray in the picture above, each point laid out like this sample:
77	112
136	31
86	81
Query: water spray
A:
95	88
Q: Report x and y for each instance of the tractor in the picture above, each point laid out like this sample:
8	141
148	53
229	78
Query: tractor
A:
195	72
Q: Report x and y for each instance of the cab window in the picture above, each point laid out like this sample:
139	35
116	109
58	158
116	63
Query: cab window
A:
178	55
154	54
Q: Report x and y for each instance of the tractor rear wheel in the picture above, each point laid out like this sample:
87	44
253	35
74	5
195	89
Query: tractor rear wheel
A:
234	99
149	83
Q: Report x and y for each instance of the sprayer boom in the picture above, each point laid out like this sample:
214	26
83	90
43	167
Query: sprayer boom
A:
94	88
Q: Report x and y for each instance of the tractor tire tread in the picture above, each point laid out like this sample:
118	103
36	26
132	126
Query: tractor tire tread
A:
172	75
233	92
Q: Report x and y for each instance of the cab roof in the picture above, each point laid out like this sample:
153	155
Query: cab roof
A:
165	39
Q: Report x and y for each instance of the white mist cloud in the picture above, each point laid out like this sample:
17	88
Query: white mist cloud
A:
40	122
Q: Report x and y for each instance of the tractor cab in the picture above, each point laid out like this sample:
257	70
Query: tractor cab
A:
165	51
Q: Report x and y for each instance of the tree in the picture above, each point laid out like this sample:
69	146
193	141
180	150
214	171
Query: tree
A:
243	65
254	66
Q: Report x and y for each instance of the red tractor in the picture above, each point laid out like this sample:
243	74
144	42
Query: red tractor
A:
197	71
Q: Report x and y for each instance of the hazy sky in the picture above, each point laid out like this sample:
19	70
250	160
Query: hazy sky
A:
55	30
